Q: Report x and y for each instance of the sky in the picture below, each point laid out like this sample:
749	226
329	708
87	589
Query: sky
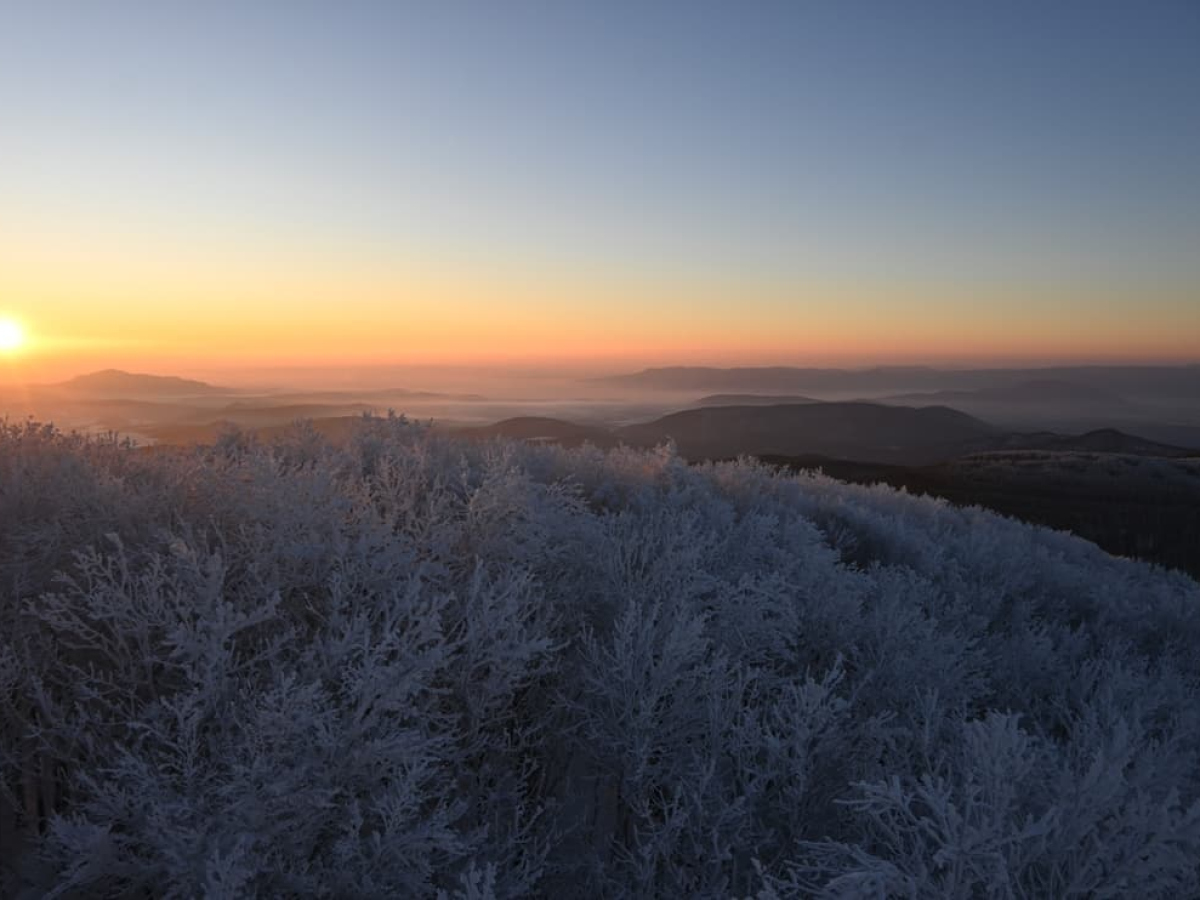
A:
189	185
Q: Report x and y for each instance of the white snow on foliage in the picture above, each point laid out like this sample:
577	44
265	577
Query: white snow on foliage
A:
414	667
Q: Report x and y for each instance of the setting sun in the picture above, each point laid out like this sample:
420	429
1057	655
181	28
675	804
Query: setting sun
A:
12	336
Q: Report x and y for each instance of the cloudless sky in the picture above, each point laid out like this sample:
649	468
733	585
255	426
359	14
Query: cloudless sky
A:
784	182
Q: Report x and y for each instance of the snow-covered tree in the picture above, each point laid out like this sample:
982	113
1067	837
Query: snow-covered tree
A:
405	665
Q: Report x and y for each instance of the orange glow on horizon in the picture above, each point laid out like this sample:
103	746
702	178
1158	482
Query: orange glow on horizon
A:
172	308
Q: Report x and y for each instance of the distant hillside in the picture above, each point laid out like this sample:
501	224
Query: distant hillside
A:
1037	391
247	415
1104	440
400	395
113	383
1142	506
541	429
770	379
864	431
752	399
334	428
1155	382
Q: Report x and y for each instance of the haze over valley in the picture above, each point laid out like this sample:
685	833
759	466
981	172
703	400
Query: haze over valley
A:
1088	449
1157	404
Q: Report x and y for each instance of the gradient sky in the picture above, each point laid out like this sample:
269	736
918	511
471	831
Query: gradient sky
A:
302	182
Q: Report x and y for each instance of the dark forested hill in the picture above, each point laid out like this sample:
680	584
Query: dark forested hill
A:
541	429
864	431
1141	506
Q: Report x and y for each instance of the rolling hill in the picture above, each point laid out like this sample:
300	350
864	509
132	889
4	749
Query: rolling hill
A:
863	431
117	384
1138	505
542	429
1101	440
857	431
770	379
1036	391
1163	383
752	399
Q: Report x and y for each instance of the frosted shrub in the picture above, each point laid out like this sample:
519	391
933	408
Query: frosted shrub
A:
405	665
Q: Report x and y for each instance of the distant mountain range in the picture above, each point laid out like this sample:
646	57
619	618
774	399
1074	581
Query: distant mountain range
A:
347	395
752	399
1020	412
1164	382
1036	391
116	384
865	432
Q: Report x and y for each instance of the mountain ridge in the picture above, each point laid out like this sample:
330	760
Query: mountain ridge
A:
863	432
120	384
1176	382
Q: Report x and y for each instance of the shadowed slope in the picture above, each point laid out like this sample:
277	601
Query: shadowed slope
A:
752	400
866	431
542	429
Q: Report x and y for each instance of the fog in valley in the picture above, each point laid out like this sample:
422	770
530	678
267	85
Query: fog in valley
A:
1156	403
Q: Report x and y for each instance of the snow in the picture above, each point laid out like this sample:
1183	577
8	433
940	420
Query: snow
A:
413	666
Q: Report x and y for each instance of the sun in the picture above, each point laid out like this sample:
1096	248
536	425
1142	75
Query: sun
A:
12	336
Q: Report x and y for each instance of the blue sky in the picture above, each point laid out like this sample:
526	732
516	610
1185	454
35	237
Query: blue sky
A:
972	144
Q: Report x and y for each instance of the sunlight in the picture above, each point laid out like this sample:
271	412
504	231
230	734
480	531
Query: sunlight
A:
12	336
